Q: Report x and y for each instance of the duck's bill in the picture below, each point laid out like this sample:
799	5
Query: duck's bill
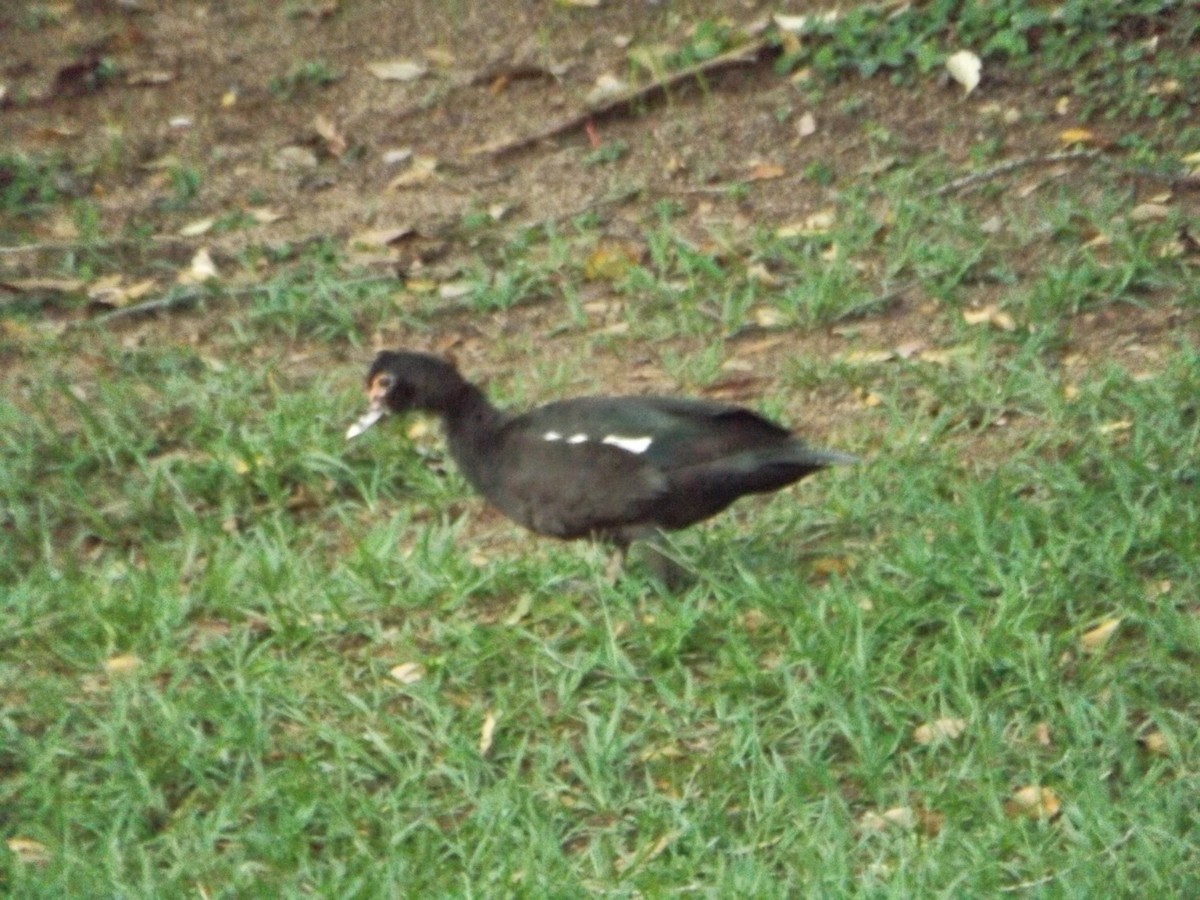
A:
369	418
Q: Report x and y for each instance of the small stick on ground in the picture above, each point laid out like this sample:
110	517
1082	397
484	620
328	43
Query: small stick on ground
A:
192	296
749	54
182	300
1011	165
1046	879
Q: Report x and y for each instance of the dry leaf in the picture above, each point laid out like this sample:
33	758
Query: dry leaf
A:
825	566
766	171
762	345
965	68
759	272
420	172
439	56
151	77
606	87
768	317
292	157
197	228
790	24
1183	244
868	399
42	285
1155	742
202	268
878	166
335	141
1112	427
397	156
521	610
639	858
1076	136
1149	212
897	816
119	665
977	316
939	730
796	24
818	223
455	290
397	70
27	851
381	237
990	315
930	821
111	292
1028	188
867	358
264	215
1041	733
610	260
1095	639
944	357
487	732
242	466
664	751
753	620
806	125
1033	802
407	673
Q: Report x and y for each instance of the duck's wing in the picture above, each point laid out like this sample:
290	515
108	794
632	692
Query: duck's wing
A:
572	488
669	432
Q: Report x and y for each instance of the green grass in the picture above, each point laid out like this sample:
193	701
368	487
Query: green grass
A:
209	521
194	508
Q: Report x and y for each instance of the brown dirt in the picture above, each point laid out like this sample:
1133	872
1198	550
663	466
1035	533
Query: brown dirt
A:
214	63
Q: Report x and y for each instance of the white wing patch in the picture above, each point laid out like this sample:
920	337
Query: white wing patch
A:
632	444
628	444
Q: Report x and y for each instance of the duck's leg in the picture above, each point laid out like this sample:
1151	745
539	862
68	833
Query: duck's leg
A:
616	561
671	574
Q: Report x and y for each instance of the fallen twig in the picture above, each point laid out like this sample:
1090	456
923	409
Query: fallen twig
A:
747	54
182	300
191	296
97	244
1046	879
1012	165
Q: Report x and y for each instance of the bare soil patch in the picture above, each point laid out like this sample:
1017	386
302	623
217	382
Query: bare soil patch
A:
221	89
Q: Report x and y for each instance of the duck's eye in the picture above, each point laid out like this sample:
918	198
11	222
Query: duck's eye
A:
384	382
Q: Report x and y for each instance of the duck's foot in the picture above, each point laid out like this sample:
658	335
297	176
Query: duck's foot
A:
616	563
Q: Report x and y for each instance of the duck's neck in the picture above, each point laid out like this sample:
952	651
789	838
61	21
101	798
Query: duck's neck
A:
472	430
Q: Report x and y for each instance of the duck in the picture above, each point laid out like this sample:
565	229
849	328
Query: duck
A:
614	469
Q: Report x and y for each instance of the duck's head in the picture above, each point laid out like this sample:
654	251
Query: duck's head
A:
401	380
